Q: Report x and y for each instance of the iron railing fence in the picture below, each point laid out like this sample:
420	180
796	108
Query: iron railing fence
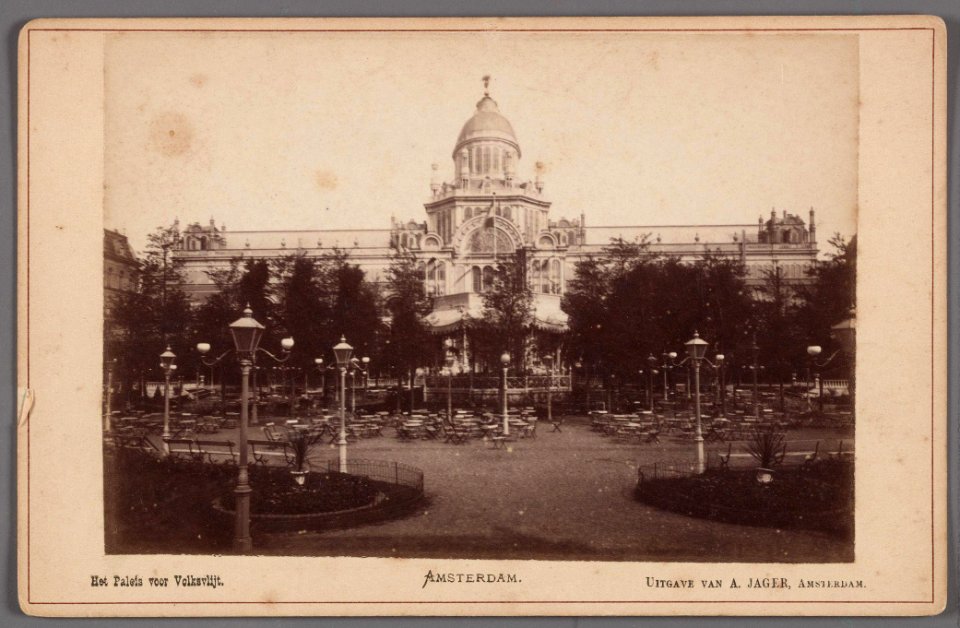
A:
382	470
439	383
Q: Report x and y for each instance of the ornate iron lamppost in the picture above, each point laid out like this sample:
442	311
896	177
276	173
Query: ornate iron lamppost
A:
505	360
166	363
343	352
696	353
247	333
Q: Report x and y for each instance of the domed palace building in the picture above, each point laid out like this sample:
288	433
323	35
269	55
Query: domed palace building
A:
491	210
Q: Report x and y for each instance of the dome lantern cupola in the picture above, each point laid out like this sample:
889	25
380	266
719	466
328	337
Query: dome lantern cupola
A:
485	141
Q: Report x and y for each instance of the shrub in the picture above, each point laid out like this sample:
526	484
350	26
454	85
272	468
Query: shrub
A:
768	446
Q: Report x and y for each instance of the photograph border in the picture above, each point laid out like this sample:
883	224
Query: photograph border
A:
933	279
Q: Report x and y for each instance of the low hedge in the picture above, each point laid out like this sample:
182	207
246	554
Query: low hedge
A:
820	498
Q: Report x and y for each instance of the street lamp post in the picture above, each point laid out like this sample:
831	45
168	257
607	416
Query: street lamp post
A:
667	366
366	374
721	364
448	361
255	398
166	363
291	373
342	352
107	402
651	370
247	333
755	350
696	353
353	392
549	360
505	360
813	351
323	380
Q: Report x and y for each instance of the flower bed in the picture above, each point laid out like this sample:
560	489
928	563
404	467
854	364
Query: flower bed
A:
277	494
820	497
168	505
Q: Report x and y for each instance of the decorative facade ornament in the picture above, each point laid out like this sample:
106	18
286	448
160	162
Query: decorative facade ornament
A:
487	240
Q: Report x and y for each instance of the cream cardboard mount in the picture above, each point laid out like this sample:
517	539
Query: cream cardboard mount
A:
327	126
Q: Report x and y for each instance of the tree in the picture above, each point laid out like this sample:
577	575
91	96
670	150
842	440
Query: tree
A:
355	307
244	282
156	314
776	335
407	304
630	303
507	313
830	295
300	310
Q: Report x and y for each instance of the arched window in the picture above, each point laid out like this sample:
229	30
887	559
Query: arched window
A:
467	213
441	279
435	278
507	212
496	159
486	159
555	276
535	276
477	279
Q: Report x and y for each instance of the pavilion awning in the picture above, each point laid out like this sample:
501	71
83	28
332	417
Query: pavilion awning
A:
547	316
547	313
444	321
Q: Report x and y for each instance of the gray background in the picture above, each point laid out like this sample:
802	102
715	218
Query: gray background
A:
15	13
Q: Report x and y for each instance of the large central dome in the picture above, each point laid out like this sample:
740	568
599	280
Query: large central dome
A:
487	124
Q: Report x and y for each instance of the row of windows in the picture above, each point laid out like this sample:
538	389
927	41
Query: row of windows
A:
788	271
544	277
435	275
119	280
470	212
486	159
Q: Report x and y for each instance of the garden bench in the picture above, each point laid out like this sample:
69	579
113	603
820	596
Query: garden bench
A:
135	441
210	448
181	448
264	450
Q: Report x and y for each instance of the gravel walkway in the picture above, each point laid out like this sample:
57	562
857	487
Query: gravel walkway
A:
559	496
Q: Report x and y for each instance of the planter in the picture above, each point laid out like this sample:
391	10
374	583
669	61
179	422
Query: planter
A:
299	476
764	475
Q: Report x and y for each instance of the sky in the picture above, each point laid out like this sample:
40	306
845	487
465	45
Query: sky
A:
339	130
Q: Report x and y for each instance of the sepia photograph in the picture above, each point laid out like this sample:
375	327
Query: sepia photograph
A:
520	316
366	305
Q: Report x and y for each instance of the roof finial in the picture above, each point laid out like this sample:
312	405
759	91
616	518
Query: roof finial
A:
486	84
